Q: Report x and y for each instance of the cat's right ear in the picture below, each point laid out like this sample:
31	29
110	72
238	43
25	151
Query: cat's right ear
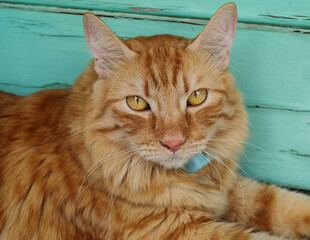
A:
107	49
216	38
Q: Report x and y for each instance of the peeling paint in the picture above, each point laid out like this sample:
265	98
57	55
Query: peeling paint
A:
273	16
44	86
302	17
146	9
302	32
123	16
63	36
260	15
162	17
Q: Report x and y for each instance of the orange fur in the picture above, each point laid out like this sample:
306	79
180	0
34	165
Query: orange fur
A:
80	164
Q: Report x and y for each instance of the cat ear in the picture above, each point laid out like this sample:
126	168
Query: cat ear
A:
107	49
217	37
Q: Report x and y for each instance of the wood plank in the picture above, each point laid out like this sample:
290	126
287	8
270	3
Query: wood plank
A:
274	60
284	12
280	152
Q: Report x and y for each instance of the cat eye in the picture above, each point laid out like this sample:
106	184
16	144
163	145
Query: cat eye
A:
197	97
137	103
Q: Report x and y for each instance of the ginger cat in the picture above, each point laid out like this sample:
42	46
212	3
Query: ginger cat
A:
104	159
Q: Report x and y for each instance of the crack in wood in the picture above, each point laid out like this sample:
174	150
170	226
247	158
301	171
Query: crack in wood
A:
277	108
302	16
48	85
295	152
115	15
146	9
60	35
273	16
295	17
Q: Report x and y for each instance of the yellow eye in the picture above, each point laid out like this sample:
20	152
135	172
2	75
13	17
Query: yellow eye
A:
197	97
137	103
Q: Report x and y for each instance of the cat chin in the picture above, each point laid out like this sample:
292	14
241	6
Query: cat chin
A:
172	165
173	162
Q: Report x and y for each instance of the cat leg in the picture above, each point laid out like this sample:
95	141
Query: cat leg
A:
197	229
227	231
156	223
269	208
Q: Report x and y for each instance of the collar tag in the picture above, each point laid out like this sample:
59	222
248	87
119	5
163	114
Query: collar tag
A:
197	162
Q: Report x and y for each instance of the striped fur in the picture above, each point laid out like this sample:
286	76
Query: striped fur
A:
80	164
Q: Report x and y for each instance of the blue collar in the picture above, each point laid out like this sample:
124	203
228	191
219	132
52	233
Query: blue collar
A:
197	162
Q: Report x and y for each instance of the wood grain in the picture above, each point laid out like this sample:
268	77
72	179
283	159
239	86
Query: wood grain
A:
278	149
284	12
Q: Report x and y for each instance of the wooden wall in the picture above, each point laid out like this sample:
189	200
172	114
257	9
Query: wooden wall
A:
42	46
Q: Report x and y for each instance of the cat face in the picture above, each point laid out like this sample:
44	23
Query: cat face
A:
170	99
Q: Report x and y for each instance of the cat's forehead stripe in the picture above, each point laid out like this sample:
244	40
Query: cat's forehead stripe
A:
185	84
146	89
176	68
164	67
163	73
150	71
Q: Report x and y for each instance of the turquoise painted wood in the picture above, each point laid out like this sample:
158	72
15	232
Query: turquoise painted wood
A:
281	151
42	46
261	55
284	12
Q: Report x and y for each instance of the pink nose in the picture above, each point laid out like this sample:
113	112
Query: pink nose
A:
173	144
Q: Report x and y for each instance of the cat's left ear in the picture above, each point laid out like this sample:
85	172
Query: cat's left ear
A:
107	49
217	37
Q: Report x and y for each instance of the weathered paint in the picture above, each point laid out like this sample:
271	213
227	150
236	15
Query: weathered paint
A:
278	149
260	57
44	47
284	12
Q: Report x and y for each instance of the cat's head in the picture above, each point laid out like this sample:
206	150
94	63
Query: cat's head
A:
166	97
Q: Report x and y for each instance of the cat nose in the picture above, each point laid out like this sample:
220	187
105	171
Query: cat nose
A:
173	144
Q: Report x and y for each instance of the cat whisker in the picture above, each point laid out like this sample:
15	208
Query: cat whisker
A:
107	158
81	191
114	195
228	158
137	175
250	144
122	175
220	178
243	153
236	180
129	176
131	152
117	163
83	129
98	164
241	188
